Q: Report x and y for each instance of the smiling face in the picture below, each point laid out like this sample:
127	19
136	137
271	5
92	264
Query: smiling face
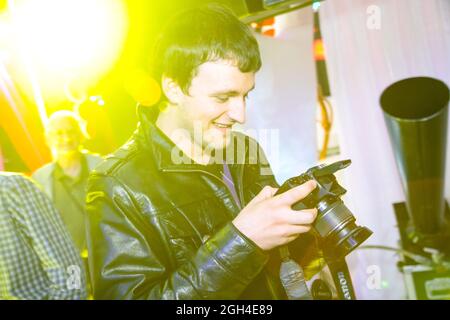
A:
64	136
214	103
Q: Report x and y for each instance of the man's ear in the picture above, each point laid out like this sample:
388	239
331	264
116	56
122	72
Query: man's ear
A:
171	90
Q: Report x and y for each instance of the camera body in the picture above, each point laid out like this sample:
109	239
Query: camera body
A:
335	224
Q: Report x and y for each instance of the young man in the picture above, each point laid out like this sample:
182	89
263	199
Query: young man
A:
166	220
37	257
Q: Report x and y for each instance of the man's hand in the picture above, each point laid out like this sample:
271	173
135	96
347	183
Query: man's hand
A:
269	221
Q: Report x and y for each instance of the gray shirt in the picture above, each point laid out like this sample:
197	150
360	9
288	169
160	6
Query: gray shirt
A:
68	196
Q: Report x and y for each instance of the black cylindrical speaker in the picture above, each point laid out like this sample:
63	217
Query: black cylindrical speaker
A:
415	112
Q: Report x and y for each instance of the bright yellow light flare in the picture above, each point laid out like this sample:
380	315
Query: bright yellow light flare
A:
142	87
68	40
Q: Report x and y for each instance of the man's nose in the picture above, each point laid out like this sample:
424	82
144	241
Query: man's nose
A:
66	137
237	111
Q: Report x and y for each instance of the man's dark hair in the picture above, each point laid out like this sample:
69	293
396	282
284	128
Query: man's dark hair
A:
199	35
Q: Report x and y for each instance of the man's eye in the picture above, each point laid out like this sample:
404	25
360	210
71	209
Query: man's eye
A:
222	99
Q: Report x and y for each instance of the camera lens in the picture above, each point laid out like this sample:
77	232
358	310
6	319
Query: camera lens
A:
336	225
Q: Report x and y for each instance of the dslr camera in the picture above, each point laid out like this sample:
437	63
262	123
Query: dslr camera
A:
335	224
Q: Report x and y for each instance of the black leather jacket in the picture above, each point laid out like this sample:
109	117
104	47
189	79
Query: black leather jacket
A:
159	230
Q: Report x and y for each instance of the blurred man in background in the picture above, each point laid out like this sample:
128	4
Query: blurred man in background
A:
64	180
38	259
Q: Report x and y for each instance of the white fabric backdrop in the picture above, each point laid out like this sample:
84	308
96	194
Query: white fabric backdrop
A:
284	101
413	40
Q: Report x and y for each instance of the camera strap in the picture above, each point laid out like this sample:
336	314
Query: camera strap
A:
292	277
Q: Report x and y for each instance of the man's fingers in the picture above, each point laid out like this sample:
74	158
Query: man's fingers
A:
295	231
266	193
297	193
301	217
